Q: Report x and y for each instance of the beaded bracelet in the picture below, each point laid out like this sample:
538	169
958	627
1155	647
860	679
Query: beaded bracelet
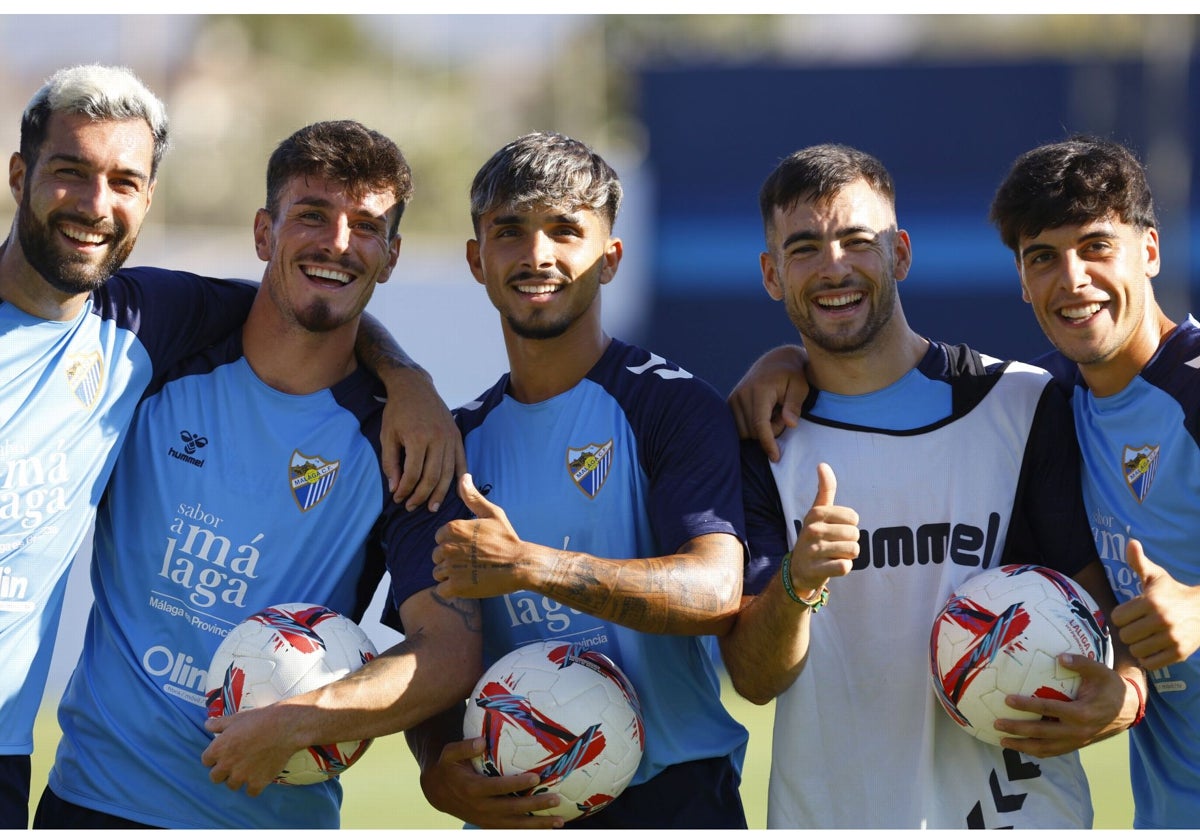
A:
816	603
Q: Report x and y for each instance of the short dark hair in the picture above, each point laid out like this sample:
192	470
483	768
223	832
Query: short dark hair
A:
816	174
1069	183
361	159
546	168
99	92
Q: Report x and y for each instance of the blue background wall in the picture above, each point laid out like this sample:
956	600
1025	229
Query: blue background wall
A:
947	133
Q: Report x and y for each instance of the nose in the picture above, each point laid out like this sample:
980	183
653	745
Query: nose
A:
541	251
338	239
1074	272
94	199
833	265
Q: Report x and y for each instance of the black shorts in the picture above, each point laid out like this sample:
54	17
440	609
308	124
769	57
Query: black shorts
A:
14	791
56	812
695	794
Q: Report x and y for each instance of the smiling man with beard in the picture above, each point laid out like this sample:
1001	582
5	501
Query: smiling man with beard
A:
78	346
852	554
76	352
278	397
612	515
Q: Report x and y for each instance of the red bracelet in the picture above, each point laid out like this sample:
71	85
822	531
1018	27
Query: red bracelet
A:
1141	712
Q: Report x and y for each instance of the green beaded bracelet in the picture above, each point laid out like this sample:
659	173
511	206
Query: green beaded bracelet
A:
816	603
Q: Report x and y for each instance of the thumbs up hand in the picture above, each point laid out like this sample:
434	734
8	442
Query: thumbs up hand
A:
827	544
1161	626
480	557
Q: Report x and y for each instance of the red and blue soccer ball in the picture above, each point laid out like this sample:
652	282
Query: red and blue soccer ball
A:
999	634
564	712
283	651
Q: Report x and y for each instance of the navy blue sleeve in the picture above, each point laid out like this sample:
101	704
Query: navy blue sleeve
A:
1065	372
1049	525
688	447
766	527
175	314
407	541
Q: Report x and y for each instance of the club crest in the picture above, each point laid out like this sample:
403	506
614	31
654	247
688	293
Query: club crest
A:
1139	466
85	376
312	478
589	466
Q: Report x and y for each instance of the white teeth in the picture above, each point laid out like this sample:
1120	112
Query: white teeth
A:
329	274
841	300
1078	313
84	236
537	290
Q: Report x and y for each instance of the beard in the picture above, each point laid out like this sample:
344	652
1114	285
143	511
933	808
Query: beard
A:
539	331
70	273
879	316
849	343
318	318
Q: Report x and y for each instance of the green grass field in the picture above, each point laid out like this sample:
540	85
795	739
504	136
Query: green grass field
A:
382	790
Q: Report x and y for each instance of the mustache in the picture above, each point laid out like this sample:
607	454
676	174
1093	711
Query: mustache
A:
113	229
344	262
521	276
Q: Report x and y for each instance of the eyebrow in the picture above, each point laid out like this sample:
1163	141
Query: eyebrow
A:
325	203
521	218
840	233
1104	232
69	158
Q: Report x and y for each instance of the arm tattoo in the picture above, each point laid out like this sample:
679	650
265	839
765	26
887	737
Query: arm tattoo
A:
467	609
475	553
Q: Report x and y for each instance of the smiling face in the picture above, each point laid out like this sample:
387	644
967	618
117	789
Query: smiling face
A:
543	266
835	264
1089	286
82	201
326	248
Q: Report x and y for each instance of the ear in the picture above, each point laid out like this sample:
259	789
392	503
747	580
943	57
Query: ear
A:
1150	252
475	261
150	191
1021	276
263	226
393	256
901	255
770	275
16	176
613	251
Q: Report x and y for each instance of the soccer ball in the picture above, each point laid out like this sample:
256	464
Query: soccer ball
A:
999	634
564	712
283	651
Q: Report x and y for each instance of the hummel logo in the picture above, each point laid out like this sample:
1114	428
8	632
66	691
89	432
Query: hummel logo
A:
192	442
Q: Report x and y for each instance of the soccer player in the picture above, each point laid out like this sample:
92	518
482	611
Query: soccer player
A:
1080	220
76	350
604	484
212	514
914	465
79	341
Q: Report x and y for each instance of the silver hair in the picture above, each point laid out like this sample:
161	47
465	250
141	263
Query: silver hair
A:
99	92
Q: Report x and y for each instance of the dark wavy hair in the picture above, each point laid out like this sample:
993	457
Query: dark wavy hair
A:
345	151
1069	183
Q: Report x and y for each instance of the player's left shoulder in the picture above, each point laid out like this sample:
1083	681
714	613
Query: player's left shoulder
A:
361	394
638	377
632	361
1176	365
